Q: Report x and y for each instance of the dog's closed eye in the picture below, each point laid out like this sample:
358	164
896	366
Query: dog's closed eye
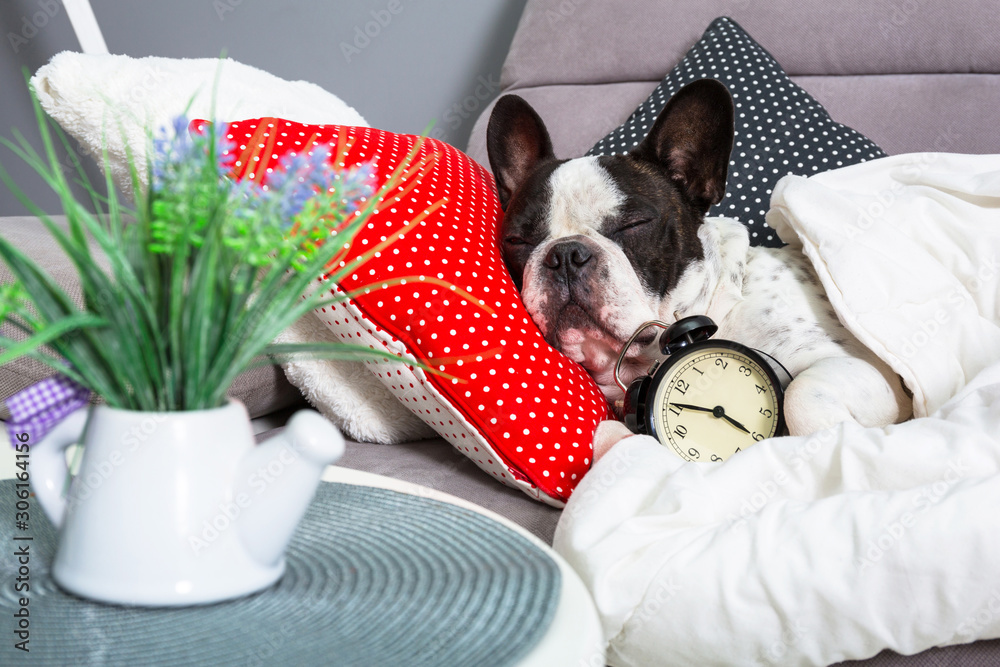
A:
632	223
517	241
636	214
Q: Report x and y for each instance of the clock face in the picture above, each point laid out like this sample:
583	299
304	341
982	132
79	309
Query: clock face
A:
714	401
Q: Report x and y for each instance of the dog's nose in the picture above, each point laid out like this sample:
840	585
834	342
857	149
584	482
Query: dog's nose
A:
569	257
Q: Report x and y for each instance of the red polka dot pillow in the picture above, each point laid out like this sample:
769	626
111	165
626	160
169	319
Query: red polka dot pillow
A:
435	289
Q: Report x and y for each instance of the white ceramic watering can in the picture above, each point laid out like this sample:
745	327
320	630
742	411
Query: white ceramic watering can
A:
177	508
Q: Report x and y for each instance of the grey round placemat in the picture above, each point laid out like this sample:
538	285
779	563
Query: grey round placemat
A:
374	577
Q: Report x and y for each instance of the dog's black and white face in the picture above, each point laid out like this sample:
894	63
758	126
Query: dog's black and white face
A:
596	244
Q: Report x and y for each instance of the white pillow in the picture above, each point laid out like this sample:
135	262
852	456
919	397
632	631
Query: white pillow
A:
89	95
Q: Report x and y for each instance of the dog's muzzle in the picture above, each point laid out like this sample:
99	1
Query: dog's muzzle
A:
586	301
570	276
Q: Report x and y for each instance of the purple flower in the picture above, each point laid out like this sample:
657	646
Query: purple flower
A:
179	153
299	178
356	186
192	180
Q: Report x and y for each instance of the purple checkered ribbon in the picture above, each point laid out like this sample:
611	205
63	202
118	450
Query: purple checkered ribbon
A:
37	409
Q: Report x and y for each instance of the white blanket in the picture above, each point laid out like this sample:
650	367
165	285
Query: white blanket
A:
812	550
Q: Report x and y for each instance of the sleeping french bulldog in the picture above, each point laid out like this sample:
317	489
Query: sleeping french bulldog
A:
599	245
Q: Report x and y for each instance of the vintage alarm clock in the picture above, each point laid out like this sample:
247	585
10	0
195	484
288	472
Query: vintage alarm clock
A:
709	398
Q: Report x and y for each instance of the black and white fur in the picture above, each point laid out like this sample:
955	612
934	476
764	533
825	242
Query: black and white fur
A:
598	245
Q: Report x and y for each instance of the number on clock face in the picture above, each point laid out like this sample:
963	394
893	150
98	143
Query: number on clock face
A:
714	402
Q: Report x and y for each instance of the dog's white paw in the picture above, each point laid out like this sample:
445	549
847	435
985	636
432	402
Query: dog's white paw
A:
609	433
839	389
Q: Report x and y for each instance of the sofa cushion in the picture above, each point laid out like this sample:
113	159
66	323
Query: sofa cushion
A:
263	390
780	128
915	113
905	113
899	72
576	42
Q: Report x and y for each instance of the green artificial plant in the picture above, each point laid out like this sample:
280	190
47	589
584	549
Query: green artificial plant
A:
195	280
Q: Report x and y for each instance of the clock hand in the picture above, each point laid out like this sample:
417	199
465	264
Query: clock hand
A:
718	411
736	423
691	407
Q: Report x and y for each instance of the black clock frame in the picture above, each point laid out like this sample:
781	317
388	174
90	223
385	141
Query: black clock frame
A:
636	414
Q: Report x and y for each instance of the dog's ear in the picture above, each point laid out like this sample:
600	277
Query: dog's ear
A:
516	141
692	138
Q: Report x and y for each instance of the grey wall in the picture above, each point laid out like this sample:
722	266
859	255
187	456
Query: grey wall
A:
31	32
401	63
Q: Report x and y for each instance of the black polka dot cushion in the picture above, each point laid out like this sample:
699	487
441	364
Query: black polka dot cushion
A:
780	128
